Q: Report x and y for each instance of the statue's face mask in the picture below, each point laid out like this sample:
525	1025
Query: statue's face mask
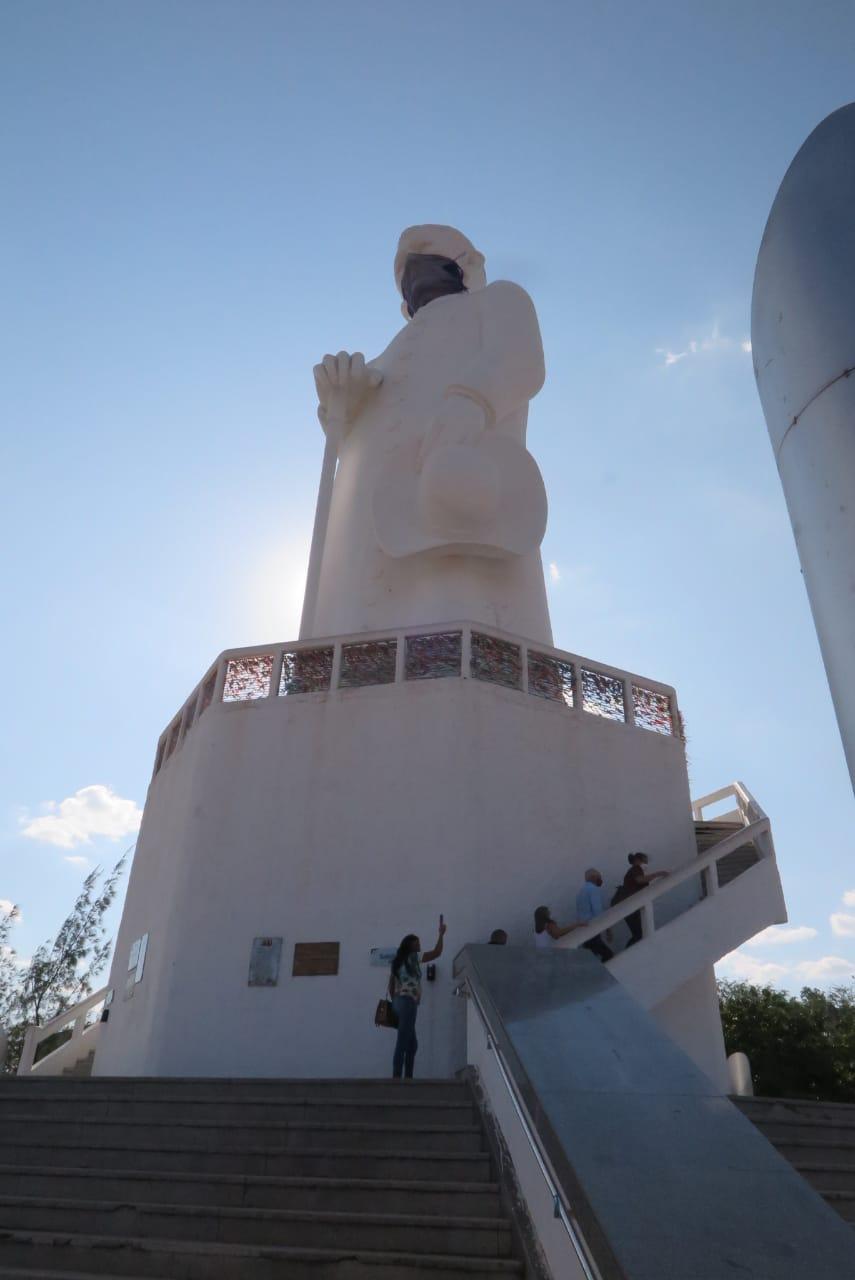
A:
428	276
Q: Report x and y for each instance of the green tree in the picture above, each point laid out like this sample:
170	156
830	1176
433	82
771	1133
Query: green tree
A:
62	972
798	1046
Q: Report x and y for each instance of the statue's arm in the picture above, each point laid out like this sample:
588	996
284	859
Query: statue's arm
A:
507	370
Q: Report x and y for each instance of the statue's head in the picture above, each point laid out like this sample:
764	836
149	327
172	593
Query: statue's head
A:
433	261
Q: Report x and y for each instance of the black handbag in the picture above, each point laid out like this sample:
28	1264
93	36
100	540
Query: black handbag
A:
385	1015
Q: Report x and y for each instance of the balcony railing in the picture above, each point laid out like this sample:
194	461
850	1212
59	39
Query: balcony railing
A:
461	650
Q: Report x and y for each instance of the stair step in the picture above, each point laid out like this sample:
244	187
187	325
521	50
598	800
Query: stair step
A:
248	1109
350	1195
798	1151
842	1201
759	1109
786	1129
402	1162
45	1254
22	1126
208	1088
827	1177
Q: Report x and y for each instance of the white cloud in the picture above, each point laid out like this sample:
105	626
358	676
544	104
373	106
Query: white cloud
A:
77	860
849	898
554	572
781	934
715	340
749	969
842	925
91	811
6	906
826	967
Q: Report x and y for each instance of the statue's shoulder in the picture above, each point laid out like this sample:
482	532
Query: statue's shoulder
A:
507	294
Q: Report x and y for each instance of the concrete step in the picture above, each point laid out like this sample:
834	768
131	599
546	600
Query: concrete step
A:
347	1195
248	1109
64	1256
842	1201
785	1130
759	1109
19	1126
209	1088
827	1177
799	1151
402	1162
415	1234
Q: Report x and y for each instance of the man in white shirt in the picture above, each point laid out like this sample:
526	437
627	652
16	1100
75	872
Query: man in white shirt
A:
589	904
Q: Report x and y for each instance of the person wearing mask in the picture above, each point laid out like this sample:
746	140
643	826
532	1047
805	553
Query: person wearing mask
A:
589	905
405	992
636	879
546	931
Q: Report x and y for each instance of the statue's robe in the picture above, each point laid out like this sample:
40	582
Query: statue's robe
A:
487	343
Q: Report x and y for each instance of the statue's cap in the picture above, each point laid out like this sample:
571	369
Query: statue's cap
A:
447	242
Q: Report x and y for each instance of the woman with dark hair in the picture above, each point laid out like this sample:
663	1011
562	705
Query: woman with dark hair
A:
405	992
634	881
546	931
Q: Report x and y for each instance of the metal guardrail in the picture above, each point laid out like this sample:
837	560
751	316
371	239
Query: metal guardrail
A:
562	1209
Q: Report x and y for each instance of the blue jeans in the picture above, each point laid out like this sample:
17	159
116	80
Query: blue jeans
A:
406	1044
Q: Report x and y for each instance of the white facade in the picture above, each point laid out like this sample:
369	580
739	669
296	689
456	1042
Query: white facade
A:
357	816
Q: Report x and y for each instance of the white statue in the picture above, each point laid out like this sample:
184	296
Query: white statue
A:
437	510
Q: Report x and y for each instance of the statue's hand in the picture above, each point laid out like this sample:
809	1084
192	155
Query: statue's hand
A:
343	384
459	421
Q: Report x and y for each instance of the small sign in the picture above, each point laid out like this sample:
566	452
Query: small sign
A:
264	960
382	956
315	959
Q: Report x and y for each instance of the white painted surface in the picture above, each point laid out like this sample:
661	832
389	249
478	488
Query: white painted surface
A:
803	339
437	510
359	816
740	1082
551	1233
690	1016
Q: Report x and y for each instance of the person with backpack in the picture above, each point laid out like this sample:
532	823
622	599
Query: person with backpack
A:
634	881
405	992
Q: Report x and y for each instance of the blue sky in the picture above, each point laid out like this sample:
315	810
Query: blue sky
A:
201	198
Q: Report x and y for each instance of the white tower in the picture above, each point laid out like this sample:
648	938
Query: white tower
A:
803	340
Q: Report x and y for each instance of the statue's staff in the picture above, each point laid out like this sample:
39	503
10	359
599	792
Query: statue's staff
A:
343	384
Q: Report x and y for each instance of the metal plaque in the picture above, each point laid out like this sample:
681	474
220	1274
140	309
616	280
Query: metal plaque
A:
315	959
382	956
264	961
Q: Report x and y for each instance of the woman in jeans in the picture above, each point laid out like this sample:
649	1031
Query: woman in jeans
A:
405	992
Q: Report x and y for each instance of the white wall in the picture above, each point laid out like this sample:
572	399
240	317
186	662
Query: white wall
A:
358	816
690	1016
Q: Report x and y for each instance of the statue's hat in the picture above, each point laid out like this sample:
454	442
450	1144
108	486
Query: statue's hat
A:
447	242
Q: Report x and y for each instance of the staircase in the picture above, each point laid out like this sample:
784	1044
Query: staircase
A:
732	864
818	1139
248	1180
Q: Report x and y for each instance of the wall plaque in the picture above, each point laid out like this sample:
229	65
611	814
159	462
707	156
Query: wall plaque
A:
264	960
315	959
382	956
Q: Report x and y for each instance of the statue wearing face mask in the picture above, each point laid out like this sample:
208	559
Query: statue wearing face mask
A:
437	511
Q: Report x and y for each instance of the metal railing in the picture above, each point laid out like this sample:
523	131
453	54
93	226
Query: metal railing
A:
561	1208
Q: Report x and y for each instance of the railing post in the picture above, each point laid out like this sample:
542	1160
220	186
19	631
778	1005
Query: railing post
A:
28	1052
648	920
400	655
710	875
628	704
466	655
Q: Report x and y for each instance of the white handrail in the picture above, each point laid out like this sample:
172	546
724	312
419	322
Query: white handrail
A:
749	809
34	1035
704	864
561	1207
